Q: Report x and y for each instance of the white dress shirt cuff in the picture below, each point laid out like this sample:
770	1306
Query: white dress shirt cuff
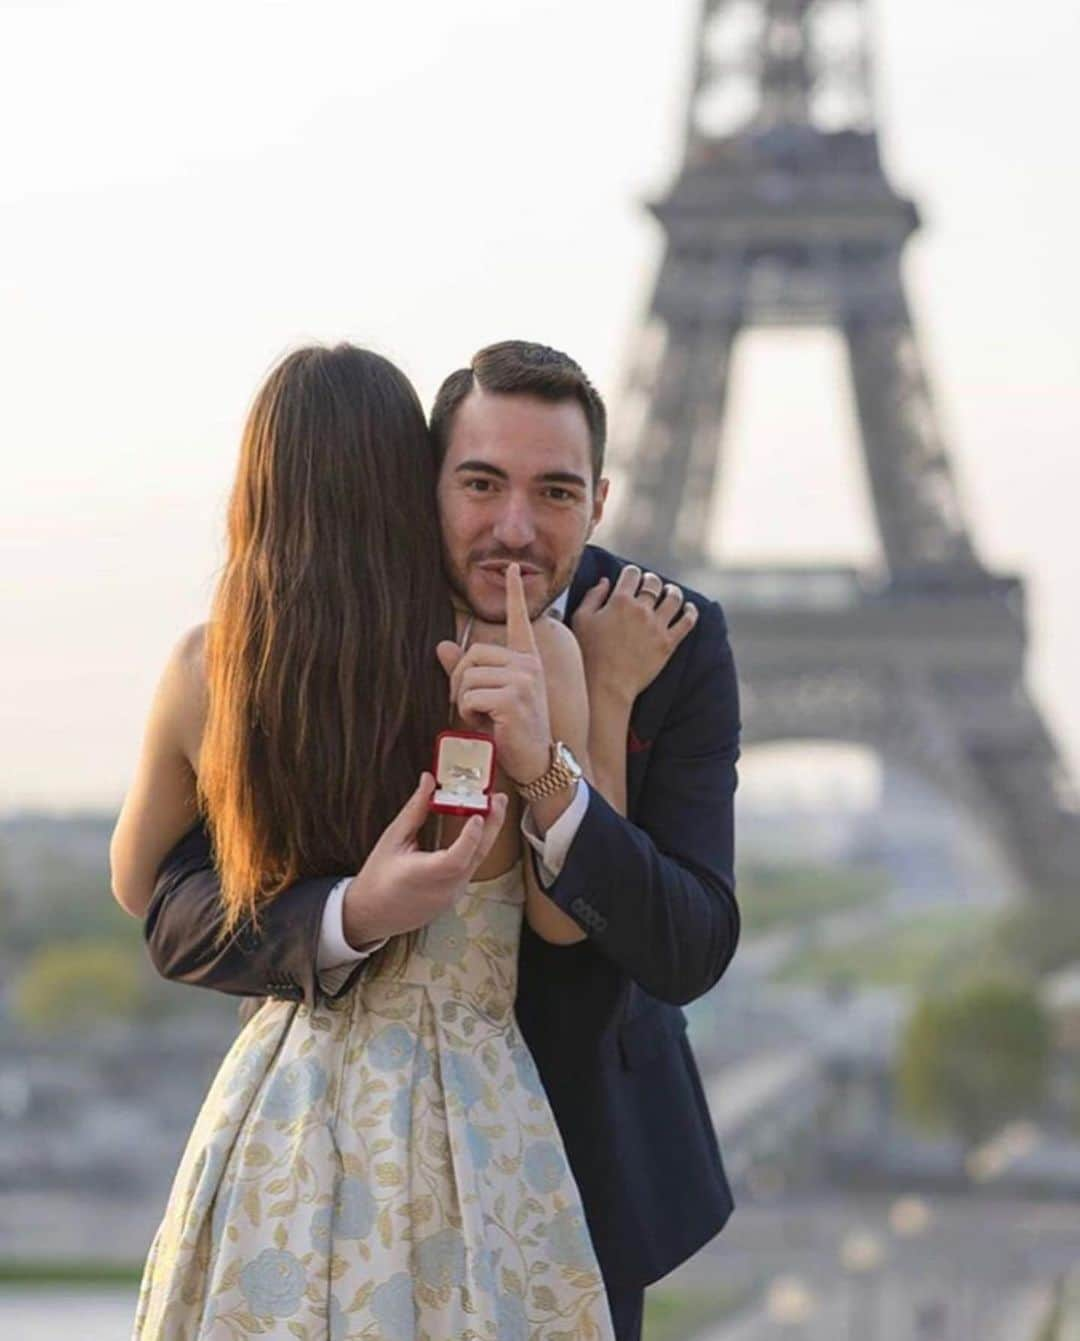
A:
336	958
555	844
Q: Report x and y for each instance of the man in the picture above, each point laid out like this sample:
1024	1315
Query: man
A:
520	436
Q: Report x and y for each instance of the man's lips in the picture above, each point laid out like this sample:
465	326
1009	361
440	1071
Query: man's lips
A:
497	568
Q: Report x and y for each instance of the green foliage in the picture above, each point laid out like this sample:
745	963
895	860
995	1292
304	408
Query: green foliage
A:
85	1275
679	1314
916	953
1041	936
975	1058
84	908
1050	1329
790	895
6	901
77	984
54	881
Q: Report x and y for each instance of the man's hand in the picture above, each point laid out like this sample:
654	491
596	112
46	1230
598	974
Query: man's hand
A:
502	689
400	887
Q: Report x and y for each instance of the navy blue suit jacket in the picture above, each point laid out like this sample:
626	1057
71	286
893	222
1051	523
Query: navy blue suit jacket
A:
654	891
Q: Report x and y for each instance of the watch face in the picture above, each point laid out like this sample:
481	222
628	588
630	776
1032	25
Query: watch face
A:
567	758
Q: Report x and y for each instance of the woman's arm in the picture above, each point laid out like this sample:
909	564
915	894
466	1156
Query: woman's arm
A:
626	639
161	804
623	640
568	711
609	723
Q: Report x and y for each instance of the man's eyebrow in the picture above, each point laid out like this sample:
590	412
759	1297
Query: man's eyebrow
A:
549	477
481	467
563	477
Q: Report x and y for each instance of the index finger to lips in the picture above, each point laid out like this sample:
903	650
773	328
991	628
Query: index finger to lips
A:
519	629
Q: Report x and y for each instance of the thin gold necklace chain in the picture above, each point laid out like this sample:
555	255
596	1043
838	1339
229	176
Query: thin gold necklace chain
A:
466	635
466	632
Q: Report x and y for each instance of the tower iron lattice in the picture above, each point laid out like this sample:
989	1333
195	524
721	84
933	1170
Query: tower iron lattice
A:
782	215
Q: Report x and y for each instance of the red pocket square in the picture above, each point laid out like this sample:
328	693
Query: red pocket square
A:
634	743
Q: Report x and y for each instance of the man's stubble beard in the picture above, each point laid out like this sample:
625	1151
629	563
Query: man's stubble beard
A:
459	589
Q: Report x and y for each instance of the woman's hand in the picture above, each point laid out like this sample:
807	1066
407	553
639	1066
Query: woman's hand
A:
401	887
627	635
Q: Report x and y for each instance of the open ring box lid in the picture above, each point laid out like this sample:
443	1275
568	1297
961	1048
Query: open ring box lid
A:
464	773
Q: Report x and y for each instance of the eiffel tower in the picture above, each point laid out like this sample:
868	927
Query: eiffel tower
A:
782	215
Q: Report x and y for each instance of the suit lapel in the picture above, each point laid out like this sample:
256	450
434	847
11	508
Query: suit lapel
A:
587	575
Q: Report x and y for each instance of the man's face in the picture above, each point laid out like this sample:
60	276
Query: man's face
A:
516	486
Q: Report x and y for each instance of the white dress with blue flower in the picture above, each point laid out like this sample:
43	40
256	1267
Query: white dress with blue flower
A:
385	1167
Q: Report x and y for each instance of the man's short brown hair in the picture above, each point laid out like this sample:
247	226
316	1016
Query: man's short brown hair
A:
518	368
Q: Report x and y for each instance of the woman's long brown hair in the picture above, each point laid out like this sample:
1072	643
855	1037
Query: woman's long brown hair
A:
324	691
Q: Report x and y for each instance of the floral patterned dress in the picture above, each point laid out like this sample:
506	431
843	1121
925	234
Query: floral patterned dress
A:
383	1168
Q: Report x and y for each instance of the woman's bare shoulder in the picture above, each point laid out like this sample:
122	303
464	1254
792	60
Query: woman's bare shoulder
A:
185	676
188	657
556	643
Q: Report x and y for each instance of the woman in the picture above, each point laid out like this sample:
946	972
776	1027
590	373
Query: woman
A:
385	1165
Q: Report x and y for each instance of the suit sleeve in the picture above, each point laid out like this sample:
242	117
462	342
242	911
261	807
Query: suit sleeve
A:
183	931
658	898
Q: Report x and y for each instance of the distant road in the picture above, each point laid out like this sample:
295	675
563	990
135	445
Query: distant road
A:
987	1263
1018	1318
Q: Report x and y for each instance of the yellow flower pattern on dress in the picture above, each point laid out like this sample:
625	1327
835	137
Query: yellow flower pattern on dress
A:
385	1167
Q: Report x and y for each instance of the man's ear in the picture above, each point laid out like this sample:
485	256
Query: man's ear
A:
599	499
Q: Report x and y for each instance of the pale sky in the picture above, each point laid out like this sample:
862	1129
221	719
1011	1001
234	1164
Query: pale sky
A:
187	191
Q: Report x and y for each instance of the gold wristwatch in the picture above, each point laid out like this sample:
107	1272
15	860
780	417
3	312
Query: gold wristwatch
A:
563	771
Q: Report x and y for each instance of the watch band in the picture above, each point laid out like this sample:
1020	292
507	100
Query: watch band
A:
559	775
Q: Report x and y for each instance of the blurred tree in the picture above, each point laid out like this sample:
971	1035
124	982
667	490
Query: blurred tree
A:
975	1058
76	985
792	893
1050	1330
7	901
1040	936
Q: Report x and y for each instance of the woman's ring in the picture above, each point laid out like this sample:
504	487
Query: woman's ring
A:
651	586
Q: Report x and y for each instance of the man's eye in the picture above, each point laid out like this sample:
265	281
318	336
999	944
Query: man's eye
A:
559	495
478	486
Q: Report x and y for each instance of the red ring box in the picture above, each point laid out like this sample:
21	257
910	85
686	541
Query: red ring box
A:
464	771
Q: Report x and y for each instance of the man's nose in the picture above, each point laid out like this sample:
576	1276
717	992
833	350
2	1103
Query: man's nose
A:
514	526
